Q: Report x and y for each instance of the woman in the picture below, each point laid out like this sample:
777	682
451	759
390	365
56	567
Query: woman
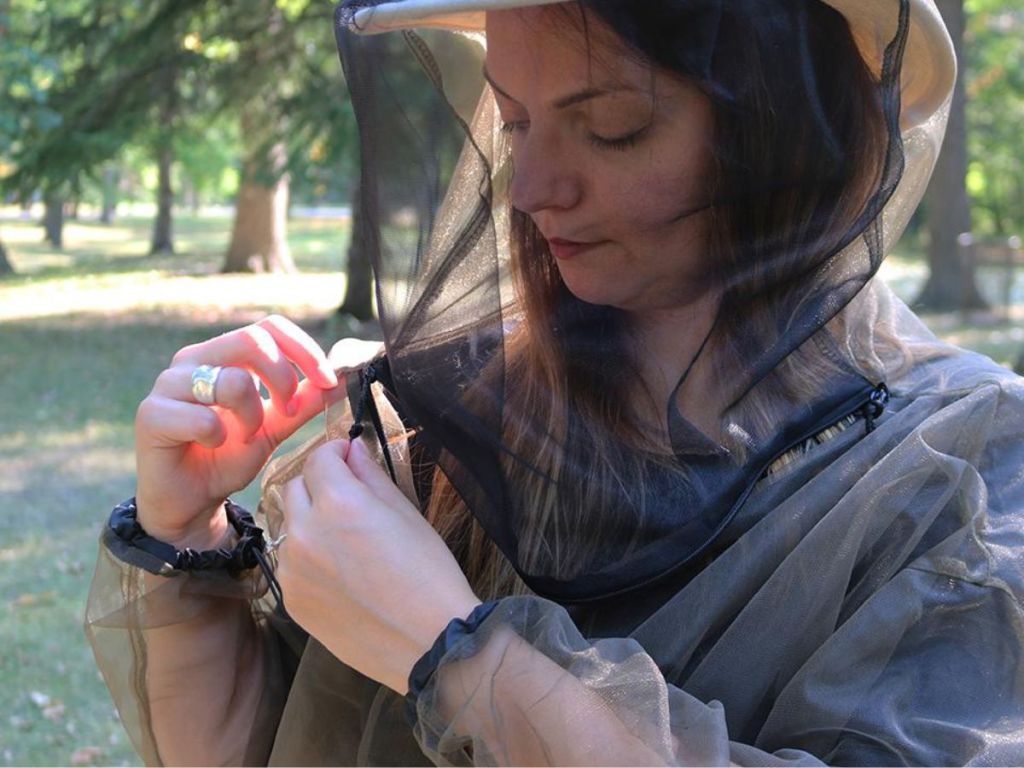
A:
696	490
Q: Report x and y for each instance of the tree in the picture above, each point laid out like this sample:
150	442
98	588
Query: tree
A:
53	217
259	241
24	73
255	59
259	236
951	282
995	89
108	194
98	93
358	301
5	264
6	124
167	101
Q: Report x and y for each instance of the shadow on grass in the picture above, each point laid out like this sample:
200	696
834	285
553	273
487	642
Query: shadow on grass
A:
61	373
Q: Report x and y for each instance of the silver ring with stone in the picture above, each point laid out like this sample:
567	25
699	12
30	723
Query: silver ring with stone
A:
204	384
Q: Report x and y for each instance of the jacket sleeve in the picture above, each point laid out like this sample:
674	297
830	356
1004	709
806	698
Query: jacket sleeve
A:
527	689
229	709
133	615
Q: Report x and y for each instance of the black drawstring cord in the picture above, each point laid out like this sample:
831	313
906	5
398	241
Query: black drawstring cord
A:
367	403
272	583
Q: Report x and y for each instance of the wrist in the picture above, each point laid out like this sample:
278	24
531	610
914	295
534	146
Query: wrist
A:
450	634
206	531
422	639
133	544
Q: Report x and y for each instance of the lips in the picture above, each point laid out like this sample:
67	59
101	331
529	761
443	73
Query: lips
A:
564	250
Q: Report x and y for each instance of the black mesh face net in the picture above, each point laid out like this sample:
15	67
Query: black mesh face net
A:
536	201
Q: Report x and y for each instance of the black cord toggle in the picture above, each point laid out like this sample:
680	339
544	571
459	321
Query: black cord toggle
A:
366	403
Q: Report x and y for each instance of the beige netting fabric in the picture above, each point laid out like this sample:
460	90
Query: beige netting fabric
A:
860	604
864	609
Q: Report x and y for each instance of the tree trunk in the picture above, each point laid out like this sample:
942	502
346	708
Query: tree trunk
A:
5	264
110	184
163	239
167	95
951	281
358	301
191	195
259	241
53	220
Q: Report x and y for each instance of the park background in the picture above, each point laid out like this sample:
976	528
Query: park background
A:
171	169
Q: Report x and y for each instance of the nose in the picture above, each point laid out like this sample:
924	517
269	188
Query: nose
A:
543	178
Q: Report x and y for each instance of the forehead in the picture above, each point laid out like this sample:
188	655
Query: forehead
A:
544	46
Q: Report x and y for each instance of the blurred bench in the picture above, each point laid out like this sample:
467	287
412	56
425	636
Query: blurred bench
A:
1005	254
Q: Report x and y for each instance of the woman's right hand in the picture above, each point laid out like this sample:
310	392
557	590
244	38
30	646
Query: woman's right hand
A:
191	457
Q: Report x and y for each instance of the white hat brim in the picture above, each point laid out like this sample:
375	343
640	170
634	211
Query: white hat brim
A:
927	77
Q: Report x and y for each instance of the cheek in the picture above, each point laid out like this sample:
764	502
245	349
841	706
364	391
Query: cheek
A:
666	194
658	209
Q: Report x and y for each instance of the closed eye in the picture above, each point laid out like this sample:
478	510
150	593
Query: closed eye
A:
514	126
620	143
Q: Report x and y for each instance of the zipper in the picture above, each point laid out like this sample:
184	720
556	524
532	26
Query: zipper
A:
869	404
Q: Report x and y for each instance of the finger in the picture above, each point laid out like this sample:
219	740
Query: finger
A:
302	350
165	422
235	391
325	472
371	474
296	505
309	402
252	347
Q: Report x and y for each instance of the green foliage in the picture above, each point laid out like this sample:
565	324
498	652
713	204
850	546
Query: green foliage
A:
93	65
994	46
86	79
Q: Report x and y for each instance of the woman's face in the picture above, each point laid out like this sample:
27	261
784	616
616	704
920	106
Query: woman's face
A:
611	159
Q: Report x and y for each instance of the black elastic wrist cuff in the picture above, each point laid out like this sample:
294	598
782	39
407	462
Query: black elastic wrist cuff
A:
163	558
424	669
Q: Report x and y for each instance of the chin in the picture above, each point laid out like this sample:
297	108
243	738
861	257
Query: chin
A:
595	289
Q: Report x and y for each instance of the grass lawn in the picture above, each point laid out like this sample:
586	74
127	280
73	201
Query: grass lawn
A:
83	333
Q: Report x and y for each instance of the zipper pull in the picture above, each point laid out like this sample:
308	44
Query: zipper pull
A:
875	406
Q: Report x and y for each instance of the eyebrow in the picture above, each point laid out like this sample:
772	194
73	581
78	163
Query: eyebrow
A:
565	101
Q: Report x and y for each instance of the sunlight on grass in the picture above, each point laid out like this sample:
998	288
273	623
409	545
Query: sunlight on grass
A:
208	296
105	269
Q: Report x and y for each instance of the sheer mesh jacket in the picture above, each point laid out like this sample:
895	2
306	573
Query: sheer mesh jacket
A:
819	560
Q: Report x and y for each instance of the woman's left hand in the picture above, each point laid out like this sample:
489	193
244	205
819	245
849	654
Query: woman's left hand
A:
361	569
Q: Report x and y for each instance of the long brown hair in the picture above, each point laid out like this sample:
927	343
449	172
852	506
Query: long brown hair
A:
572	406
